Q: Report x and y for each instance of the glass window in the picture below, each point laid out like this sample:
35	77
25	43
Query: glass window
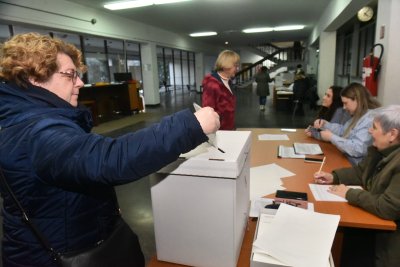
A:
166	70
4	33
347	55
177	66
185	69
71	38
24	29
116	57
133	60
96	60
366	42
162	72
192	67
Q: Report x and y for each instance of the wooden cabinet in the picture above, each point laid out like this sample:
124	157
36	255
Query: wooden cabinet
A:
111	101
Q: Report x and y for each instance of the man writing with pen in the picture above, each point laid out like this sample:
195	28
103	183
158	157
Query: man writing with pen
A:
379	174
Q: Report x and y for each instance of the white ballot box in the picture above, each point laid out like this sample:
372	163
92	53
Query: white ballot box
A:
201	205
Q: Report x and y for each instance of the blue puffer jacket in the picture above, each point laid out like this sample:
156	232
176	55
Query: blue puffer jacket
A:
64	175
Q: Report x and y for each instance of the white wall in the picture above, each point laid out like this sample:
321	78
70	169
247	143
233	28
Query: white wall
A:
326	70
248	57
388	85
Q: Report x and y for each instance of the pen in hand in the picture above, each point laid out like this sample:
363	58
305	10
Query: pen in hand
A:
322	164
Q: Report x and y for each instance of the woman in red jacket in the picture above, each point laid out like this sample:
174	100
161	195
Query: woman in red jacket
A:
217	88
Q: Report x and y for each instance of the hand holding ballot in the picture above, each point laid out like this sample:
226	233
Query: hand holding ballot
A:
208	119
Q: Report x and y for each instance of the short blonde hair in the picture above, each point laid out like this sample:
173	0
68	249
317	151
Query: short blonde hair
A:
226	59
32	55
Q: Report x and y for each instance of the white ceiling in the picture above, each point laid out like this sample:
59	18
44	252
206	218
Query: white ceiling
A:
228	18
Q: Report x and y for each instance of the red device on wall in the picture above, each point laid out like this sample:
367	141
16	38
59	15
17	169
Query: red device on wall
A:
371	68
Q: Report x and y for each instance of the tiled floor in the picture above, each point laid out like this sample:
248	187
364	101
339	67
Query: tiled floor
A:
134	198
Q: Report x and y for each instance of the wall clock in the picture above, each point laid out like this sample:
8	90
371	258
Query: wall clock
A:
365	14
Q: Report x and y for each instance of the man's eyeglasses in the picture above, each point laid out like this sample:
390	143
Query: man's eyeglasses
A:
72	75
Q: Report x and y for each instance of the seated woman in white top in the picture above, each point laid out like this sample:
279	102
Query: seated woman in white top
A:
352	138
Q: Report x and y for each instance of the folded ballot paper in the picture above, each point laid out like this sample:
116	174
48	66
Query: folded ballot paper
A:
294	237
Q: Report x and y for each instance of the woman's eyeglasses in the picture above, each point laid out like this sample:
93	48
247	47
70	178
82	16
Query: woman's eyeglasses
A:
72	75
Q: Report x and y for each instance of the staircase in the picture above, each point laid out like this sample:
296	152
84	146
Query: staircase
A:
274	57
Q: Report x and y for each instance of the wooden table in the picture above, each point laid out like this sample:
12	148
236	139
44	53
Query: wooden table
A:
265	152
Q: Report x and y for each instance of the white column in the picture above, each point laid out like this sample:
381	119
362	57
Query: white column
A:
387	34
150	74
326	66
199	58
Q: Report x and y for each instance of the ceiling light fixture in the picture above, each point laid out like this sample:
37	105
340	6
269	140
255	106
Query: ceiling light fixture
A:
201	34
289	28
138	3
270	29
253	30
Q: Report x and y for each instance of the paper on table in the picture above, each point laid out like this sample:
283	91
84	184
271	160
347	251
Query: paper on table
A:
266	179
272	137
288	152
258	204
308	149
320	192
288	130
298	237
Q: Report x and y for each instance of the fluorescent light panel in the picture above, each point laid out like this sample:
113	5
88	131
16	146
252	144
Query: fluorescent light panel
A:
138	3
253	30
200	34
269	29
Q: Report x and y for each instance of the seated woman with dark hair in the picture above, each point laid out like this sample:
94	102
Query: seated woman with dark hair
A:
351	138
331	110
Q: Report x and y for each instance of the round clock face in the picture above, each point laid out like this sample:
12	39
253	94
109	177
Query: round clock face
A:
365	14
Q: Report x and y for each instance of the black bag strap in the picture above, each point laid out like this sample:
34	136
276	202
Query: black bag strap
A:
26	219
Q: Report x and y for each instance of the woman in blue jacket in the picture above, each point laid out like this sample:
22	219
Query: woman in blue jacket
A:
352	137
63	175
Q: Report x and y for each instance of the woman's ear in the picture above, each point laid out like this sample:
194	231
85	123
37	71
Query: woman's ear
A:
32	81
394	135
36	83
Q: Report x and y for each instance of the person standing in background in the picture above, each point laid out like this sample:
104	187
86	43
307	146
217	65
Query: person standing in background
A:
262	79
300	88
298	50
217	88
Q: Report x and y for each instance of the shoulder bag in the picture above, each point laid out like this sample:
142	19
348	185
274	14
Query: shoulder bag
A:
120	249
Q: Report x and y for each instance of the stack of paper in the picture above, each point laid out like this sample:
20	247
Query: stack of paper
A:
266	179
295	237
307	149
288	152
320	192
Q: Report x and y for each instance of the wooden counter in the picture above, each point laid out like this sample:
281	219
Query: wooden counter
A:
111	101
